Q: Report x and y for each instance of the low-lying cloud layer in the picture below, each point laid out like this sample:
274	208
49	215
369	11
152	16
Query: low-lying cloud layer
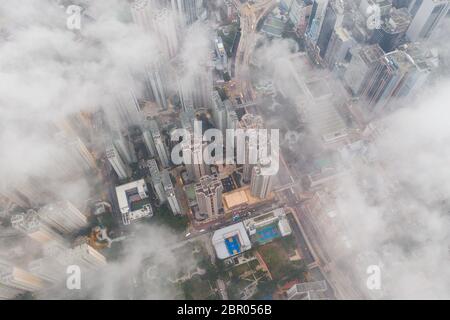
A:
48	73
394	212
398	210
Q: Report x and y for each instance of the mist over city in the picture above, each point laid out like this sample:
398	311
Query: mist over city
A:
93	204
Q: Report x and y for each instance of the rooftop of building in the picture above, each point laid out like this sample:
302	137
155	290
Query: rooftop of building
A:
231	240
154	170
235	198
399	60
371	54
166	180
132	196
270	225
398	21
208	184
251	121
343	34
273	26
424	58
152	125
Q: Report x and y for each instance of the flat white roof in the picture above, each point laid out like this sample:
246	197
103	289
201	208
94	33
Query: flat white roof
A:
121	193
285	228
221	235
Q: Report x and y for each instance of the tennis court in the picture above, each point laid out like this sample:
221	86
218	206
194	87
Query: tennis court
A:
233	245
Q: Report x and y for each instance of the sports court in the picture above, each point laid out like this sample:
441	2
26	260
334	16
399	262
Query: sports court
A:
233	245
267	233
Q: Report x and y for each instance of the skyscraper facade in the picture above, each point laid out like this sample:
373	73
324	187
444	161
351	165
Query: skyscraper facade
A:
261	183
63	216
396	75
160	146
338	49
18	278
170	192
209	196
156	180
249	123
427	15
219	112
122	170
84	256
359	70
189	10
333	18
30	224
193	151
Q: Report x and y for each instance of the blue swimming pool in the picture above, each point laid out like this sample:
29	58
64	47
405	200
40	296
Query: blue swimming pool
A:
233	245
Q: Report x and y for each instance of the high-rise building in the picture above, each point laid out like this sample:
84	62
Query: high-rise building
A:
299	12
338	49
17	278
78	151
153	16
302	15
360	68
219	112
209	196
47	268
7	292
166	27
307	290
156	17
185	93
189	10
15	197
126	109
30	224
194	152
393	30
84	256
142	14
195	87
158	143
122	170
383	5
148	139
170	192
427	15
133	200
76	125
261	183
155	84
187	119
30	190
204	86
124	147
249	123
156	180
232	117
396	75
221	54
316	19
53	249
334	15
63	216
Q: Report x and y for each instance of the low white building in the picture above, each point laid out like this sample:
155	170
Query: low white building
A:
231	240
133	200
268	226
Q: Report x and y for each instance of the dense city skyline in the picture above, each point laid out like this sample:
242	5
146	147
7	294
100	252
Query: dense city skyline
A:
349	99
